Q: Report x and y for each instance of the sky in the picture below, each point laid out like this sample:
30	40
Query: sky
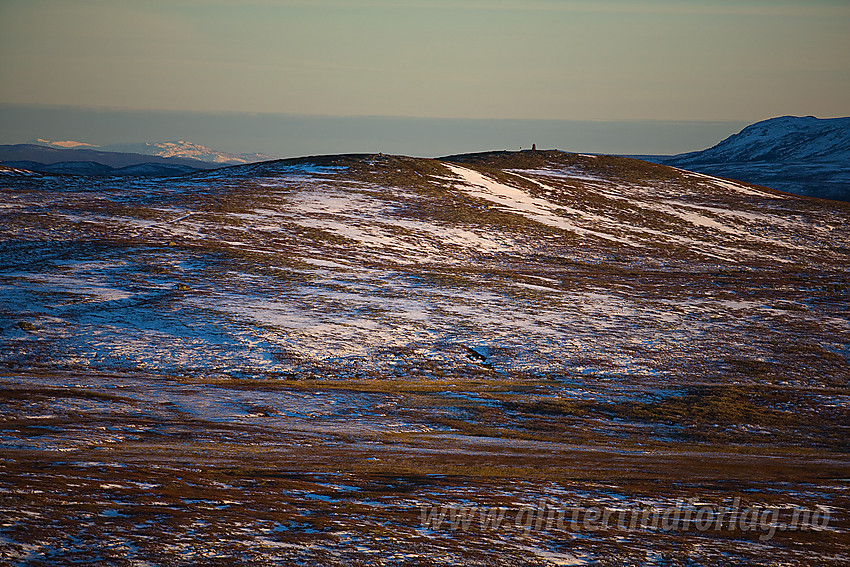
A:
475	62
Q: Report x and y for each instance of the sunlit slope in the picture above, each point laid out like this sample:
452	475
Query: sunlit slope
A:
498	264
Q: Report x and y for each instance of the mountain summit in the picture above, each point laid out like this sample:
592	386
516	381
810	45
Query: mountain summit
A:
798	154
783	139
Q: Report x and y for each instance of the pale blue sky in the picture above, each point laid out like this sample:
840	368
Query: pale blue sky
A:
645	60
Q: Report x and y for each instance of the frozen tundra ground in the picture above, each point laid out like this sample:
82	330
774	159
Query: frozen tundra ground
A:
364	360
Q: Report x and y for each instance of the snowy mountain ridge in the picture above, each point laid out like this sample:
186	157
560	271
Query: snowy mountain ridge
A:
170	149
782	139
181	148
803	155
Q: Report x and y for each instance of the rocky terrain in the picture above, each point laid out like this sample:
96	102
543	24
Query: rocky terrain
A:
298	361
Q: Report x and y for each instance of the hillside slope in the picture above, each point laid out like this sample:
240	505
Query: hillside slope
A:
344	360
381	263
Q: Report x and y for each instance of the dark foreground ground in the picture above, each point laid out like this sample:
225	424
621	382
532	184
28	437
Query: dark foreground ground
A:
130	470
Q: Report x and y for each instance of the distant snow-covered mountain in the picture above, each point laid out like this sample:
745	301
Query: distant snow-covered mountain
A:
87	161
798	154
783	139
183	149
172	149
66	144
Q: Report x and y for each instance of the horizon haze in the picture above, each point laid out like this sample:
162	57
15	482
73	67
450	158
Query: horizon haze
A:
290	77
287	135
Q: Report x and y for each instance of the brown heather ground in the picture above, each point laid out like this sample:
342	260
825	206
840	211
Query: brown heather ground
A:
285	363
